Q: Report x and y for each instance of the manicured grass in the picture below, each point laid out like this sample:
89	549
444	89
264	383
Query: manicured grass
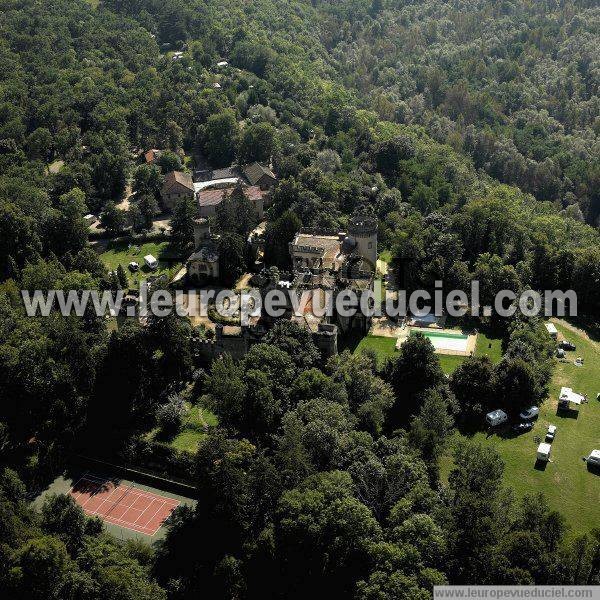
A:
384	347
122	253
487	346
450	362
566	482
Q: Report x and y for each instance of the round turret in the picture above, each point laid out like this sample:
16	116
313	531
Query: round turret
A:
363	229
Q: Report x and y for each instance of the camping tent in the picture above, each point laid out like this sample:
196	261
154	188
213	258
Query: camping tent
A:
543	451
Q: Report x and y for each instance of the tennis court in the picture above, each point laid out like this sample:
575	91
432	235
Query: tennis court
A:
123	505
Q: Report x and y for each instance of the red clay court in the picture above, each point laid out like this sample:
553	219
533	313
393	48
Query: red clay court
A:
122	505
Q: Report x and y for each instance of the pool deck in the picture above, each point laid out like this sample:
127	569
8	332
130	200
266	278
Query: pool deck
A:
470	347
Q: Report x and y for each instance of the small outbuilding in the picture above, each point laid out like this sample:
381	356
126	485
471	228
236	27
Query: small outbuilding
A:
552	331
496	417
543	451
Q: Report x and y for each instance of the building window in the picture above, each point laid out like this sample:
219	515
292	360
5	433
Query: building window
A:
370	245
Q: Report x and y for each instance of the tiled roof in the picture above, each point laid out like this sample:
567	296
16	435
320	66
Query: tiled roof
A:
152	155
215	197
179	177
255	171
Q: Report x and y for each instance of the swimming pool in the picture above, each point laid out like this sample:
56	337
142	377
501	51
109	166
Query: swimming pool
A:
456	342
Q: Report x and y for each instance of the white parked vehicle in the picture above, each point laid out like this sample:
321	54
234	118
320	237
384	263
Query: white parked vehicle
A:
543	451
496	417
134	267
594	458
551	432
151	262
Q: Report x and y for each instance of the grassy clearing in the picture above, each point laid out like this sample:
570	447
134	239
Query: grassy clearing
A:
193	430
566	482
122	253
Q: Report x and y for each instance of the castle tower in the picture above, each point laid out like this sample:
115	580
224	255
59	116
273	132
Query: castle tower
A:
362	227
201	232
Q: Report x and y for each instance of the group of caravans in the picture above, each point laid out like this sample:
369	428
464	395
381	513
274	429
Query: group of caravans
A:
566	398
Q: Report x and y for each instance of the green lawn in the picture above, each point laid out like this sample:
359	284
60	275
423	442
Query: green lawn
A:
122	253
449	362
193	428
385	348
566	482
488	346
485	346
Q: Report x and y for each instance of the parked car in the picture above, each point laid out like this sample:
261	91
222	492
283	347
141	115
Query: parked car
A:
531	413
560	353
133	267
566	345
523	426
551	432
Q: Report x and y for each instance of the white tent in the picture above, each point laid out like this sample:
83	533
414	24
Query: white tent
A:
543	451
568	396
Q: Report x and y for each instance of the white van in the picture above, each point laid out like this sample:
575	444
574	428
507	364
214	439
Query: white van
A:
151	262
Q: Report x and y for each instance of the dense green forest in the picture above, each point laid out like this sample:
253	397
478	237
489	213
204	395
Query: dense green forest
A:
469	128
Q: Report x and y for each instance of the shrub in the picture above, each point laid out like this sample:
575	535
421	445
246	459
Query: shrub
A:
169	416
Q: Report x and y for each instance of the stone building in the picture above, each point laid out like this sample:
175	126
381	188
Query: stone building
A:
177	185
203	264
325	264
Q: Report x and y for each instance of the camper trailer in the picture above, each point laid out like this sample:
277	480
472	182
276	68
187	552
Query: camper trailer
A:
496	417
593	459
567	397
543	452
552	331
